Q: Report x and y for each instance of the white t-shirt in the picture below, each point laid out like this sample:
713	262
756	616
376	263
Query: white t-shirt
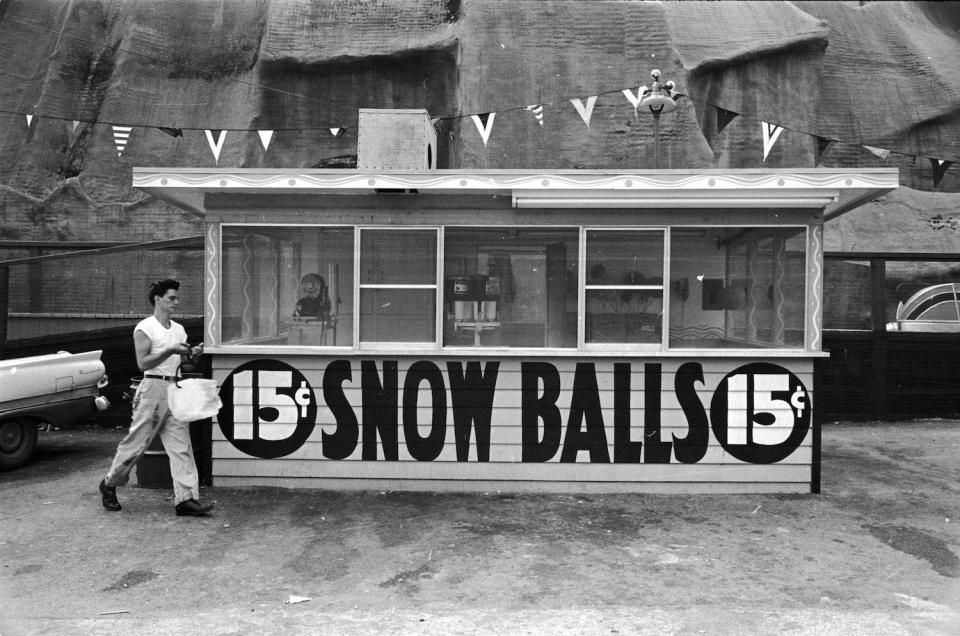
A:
162	338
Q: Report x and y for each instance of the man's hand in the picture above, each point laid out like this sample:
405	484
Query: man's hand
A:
191	358
182	349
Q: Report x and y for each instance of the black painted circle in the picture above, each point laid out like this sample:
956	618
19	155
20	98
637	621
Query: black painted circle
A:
762	453
265	448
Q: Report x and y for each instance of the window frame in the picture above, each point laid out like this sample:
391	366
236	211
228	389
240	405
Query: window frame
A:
220	314
504	349
805	229
583	287
437	286
394	345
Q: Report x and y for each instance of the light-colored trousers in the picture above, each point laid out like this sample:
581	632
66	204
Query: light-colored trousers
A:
151	416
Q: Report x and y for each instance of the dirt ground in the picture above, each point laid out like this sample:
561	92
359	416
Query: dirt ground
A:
875	553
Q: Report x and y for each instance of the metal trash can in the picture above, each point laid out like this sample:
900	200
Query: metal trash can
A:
201	438
153	469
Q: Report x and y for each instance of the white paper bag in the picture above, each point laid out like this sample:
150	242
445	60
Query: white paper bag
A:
193	399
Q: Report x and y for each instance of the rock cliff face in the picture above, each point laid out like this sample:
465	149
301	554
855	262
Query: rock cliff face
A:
883	74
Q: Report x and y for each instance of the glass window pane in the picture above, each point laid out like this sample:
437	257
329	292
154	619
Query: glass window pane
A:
287	286
624	257
922	295
397	315
398	257
629	262
627	316
510	287
847	296
737	287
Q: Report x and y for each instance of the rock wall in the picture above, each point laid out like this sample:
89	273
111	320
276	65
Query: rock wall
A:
883	74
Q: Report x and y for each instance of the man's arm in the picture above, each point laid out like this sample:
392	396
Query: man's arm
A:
147	360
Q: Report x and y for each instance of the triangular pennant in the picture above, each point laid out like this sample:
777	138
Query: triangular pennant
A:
265	137
883	153
537	110
724	117
336	132
29	120
939	169
121	135
634	99
75	124
585	111
173	132
771	132
484	124
215	145
823	145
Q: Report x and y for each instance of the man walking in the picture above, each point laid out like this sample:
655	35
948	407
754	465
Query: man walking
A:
158	342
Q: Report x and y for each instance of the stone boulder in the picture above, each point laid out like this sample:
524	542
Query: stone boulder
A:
880	74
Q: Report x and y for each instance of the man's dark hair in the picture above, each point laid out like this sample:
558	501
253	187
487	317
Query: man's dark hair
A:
160	288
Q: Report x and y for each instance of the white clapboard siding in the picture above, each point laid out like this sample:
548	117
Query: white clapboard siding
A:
498	453
717	471
672	421
508	398
551	471
522	486
714	368
509	432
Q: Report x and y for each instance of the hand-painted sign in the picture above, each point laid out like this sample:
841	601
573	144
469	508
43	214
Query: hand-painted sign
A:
270	410
759	413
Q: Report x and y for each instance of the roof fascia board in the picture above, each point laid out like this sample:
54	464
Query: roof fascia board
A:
186	187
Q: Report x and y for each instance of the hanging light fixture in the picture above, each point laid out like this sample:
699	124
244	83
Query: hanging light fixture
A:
658	100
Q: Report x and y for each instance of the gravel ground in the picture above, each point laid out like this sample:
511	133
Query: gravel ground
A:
876	552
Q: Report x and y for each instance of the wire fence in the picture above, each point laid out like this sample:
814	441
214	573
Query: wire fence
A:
89	292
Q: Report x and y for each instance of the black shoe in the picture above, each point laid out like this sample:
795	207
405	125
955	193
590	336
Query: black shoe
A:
193	508
108	495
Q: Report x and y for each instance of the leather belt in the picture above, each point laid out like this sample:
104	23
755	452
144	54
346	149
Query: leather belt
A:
165	378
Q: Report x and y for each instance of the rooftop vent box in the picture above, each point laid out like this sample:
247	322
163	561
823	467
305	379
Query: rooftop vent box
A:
396	139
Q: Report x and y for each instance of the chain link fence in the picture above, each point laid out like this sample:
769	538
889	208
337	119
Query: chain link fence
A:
92	291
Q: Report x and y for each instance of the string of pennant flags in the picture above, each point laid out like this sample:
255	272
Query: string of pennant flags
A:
215	138
484	122
770	132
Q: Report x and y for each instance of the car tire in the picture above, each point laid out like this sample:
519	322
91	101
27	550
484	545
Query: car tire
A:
18	440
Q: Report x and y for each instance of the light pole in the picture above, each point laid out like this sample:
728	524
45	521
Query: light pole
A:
658	100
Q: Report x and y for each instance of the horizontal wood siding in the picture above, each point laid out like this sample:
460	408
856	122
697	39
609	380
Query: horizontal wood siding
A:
509	453
589	466
521	486
474	211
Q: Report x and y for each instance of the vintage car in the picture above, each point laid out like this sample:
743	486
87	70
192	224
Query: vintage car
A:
53	390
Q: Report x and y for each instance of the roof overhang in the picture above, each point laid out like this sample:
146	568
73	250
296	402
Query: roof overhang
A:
833	190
